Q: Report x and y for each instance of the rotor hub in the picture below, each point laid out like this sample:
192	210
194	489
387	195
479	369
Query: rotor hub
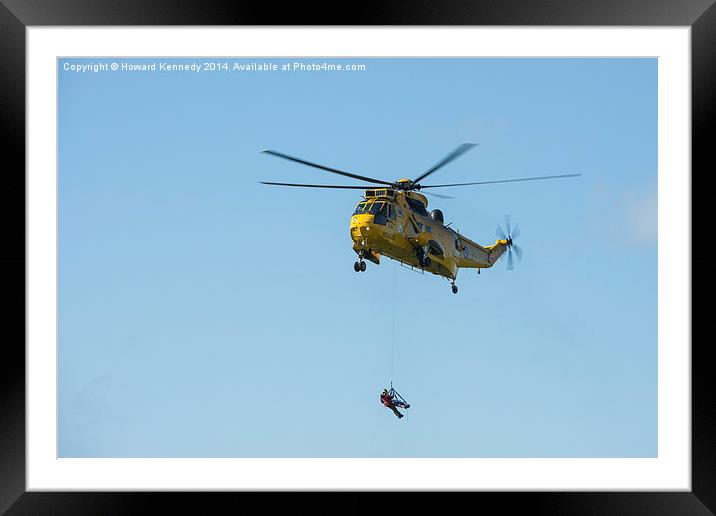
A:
406	185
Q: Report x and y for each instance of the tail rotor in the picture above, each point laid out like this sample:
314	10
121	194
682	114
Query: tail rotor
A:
510	234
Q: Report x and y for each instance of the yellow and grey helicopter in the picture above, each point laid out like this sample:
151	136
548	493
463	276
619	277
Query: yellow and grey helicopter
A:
392	220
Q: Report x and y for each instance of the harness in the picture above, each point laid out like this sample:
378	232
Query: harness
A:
397	399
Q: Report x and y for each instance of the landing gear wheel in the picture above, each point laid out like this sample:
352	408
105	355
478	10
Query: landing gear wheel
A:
362	266
356	267
454	289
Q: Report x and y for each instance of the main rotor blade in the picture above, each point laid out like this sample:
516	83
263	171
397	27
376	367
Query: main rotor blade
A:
462	149
502	181
327	169
439	195
314	186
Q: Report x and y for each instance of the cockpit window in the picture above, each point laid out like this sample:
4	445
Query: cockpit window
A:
361	207
380	210
377	207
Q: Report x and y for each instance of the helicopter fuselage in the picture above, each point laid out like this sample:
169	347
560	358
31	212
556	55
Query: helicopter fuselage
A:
393	221
396	224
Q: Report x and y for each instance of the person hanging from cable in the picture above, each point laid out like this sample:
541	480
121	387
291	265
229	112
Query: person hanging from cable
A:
392	400
387	400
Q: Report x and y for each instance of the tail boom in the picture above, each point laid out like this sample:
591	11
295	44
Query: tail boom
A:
476	256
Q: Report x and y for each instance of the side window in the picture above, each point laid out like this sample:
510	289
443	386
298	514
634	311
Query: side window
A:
400	212
428	229
391	212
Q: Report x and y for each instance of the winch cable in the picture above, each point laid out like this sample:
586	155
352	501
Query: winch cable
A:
395	305
395	308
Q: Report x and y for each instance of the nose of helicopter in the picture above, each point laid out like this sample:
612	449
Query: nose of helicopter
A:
360	227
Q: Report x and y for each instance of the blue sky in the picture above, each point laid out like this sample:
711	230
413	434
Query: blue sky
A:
202	314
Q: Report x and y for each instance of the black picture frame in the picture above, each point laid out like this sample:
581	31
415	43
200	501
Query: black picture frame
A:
16	15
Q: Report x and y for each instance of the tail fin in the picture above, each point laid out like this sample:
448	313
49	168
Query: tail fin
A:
494	252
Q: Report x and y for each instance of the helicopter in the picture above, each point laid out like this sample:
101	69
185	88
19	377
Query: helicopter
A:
392	220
